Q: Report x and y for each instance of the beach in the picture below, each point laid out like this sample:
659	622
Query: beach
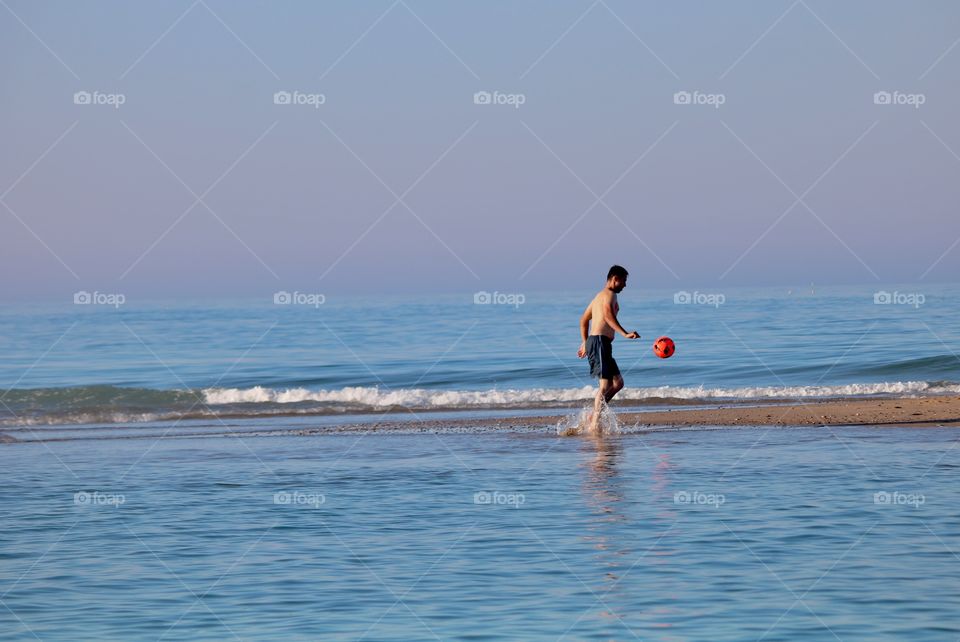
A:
918	412
906	411
922	411
307	307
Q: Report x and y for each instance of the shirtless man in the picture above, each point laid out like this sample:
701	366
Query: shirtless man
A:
601	317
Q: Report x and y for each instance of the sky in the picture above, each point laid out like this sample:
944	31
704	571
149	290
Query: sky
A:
696	143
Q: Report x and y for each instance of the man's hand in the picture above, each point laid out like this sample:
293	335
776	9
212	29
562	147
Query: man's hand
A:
582	351
632	335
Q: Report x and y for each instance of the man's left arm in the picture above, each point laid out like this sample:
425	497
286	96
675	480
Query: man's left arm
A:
614	323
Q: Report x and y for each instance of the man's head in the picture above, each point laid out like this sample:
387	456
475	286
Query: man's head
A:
617	278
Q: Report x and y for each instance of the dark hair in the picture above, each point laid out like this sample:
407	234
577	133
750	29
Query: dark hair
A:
617	270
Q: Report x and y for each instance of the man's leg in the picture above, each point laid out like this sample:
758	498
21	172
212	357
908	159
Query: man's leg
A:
607	390
616	385
603	393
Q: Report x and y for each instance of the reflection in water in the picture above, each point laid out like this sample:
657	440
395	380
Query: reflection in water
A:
609	530
602	484
603	494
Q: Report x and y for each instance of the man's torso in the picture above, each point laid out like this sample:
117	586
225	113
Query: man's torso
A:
598	325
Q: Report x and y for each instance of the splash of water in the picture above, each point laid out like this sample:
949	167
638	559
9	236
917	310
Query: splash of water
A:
580	423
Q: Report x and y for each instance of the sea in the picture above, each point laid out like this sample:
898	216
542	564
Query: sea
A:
112	368
176	470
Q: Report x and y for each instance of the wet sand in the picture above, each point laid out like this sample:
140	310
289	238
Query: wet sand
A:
924	411
861	412
916	412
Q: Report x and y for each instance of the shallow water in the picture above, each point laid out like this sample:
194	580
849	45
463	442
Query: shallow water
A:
700	534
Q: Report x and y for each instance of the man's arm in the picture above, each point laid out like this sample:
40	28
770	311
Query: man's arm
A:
611	320
584	328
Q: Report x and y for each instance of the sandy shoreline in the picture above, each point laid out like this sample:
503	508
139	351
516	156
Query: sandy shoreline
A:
878	412
923	411
869	412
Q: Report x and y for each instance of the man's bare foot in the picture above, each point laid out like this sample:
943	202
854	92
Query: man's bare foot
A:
595	423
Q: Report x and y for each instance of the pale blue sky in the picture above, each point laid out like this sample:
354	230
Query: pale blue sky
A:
500	204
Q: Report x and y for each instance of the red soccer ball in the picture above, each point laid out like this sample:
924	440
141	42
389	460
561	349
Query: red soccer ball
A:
663	347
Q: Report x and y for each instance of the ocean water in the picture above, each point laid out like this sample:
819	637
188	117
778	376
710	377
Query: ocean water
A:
735	534
149	362
159	489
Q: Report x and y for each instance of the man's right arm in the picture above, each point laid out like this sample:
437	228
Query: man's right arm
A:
585	322
584	328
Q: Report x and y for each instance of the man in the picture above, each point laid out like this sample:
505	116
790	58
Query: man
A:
601	318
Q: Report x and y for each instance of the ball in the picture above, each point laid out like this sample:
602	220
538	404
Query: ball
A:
663	347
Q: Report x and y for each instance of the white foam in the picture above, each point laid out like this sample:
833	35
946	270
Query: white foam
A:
261	401
581	422
425	398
